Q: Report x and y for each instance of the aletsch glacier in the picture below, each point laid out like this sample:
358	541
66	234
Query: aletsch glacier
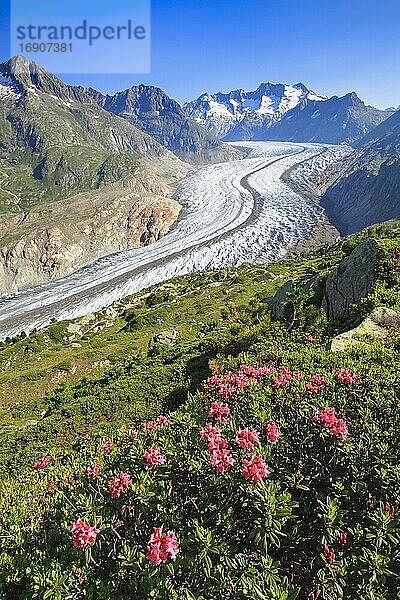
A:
233	212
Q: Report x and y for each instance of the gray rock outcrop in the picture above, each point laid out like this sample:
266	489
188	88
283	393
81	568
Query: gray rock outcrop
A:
277	302
352	280
168	337
377	325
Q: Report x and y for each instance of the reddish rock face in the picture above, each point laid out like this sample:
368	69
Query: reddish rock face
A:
65	236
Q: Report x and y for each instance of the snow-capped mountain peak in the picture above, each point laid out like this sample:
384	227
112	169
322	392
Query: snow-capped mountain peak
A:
276	111
270	101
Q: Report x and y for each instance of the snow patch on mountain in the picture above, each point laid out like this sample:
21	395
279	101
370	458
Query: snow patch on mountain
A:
8	88
218	112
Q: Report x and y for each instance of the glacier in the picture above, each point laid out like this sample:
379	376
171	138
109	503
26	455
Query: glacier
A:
232	213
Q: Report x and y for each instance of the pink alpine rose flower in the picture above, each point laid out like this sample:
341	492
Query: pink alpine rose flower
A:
346	376
153	457
327	416
119	484
219	410
341	539
83	535
389	510
162	546
310	387
93	471
163	421
209	431
254	468
272	433
130	434
221	459
246	438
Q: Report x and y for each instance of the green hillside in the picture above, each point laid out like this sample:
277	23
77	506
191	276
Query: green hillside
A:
294	496
55	141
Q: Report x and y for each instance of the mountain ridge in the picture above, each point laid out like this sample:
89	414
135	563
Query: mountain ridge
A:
150	109
367	188
60	152
286	113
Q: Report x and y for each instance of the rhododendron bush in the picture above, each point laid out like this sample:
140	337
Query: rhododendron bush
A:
279	478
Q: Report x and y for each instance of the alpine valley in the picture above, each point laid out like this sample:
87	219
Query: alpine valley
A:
199	343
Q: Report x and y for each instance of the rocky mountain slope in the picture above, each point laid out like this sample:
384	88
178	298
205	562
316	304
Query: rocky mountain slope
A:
56	240
286	113
366	188
149	109
56	143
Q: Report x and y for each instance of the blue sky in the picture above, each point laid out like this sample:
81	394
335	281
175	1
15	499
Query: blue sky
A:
334	47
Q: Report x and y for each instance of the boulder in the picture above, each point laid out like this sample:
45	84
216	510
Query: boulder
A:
352	280
277	302
377	325
169	337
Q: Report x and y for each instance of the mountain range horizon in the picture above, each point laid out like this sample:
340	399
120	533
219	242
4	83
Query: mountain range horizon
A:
23	59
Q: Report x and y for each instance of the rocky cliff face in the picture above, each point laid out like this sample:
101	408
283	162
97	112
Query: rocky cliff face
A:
366	189
55	240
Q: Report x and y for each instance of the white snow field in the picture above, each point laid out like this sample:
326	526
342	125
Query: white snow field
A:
232	213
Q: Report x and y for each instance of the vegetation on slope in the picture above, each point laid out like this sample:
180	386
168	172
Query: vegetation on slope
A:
310	511
115	345
55	141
